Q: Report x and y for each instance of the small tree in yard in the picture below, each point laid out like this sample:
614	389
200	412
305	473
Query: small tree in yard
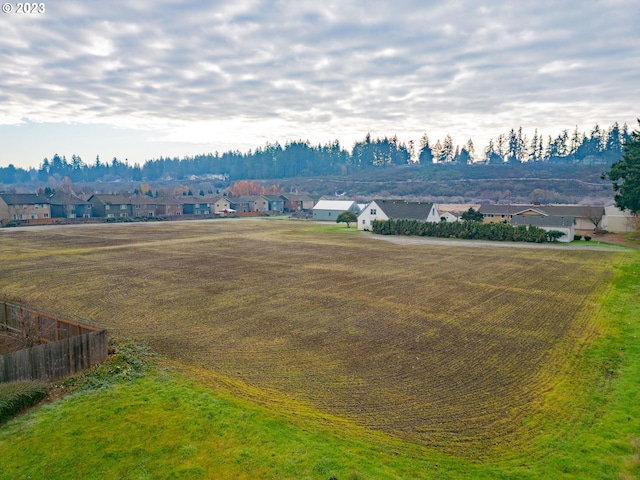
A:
594	215
347	217
472	215
554	235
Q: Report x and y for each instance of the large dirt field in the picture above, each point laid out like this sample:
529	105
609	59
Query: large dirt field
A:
447	346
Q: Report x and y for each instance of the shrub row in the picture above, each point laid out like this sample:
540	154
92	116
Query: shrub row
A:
465	230
17	396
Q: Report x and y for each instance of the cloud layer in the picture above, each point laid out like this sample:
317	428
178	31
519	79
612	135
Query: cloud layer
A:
244	72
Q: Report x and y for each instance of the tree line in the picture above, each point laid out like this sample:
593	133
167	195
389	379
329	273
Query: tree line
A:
302	159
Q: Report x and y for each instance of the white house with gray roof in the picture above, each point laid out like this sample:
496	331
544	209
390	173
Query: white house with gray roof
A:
397	209
566	225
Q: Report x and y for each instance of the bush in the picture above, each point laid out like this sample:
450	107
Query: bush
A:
18	396
587	238
577	237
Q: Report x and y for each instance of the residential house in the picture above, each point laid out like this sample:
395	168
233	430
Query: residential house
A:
618	221
110	206
275	203
192	205
240	205
450	217
250	203
222	205
586	216
452	212
67	205
144	206
330	209
560	223
296	203
24	206
397	209
169	207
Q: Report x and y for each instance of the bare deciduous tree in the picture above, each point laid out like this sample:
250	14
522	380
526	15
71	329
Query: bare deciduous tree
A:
594	214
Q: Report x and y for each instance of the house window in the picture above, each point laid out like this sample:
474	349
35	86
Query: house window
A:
373	211
45	215
123	215
123	207
364	222
107	207
111	215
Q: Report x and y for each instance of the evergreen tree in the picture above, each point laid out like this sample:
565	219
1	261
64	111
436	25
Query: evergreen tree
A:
471	150
425	155
625	175
438	152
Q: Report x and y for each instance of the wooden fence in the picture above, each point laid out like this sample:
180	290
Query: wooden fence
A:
63	346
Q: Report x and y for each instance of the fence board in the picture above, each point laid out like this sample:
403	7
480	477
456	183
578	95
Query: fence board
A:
71	346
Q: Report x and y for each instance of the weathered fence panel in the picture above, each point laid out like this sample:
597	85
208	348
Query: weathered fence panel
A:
68	347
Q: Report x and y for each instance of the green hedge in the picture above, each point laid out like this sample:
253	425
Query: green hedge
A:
17	396
465	230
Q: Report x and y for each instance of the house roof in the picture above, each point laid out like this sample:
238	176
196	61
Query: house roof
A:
341	205
456	208
246	198
192	199
111	199
274	198
61	198
294	197
552	210
22	198
549	221
406	210
145	200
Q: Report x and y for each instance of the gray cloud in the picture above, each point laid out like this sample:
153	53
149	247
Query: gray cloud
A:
335	70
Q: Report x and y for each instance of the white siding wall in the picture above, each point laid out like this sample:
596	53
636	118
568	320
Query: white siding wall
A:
370	213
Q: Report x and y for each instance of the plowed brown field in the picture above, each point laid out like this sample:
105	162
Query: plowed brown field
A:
447	346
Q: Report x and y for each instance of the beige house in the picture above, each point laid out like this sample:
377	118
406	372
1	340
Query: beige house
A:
222	205
618	221
23	206
586	216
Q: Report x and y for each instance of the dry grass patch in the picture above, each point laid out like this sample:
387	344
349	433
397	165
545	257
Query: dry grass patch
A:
446	346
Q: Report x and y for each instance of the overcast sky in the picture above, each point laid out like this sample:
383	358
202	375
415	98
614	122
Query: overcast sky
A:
137	80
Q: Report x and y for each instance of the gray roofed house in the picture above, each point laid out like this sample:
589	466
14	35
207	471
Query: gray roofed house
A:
330	209
67	205
110	206
397	209
294	202
276	203
585	215
564	224
23	206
